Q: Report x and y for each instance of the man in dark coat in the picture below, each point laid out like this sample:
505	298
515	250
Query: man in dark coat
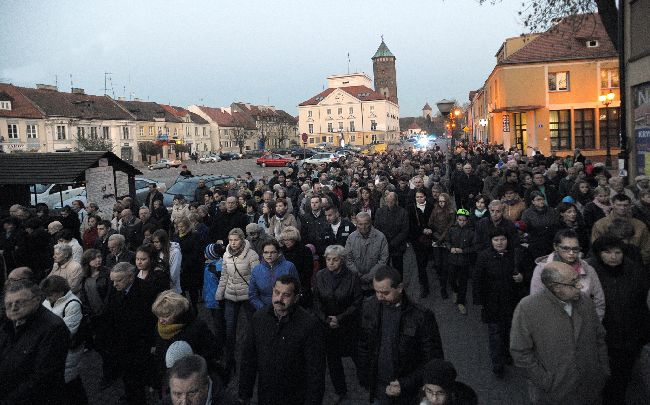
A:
393	221
118	252
128	329
549	192
33	347
397	339
224	222
467	185
284	340
153	195
313	225
337	229
104	231
494	220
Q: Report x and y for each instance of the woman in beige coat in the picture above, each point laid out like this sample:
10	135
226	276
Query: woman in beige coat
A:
238	263
281	219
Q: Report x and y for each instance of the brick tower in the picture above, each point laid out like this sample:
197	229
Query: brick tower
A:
383	67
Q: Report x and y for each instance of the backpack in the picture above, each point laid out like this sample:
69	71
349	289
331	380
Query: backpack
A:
83	332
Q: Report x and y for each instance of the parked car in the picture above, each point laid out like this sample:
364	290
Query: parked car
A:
165	164
51	194
282	151
187	186
321	158
254	153
211	158
141	190
273	159
300	153
229	156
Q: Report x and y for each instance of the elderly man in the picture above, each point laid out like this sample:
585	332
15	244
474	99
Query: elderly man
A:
128	331
367	251
641	183
397	338
66	267
127	226
118	252
393	221
54	227
233	217
622	210
617	186
144	214
284	339
558	339
466	186
493	221
314	224
190	383
65	236
33	347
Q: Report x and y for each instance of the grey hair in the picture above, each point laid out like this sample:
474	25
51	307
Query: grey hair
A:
64	248
602	190
123	267
363	215
119	238
335	250
495	204
614	179
550	276
238	232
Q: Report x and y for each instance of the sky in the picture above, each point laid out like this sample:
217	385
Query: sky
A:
276	52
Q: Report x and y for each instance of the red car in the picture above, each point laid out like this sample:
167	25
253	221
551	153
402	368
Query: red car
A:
274	159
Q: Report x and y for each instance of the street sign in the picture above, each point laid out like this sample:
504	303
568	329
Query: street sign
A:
466	129
304	137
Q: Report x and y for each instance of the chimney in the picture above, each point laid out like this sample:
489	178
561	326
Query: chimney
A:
47	87
121	99
77	90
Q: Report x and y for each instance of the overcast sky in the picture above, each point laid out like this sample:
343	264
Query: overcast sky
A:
275	52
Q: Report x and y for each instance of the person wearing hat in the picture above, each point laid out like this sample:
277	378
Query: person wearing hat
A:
641	182
439	386
211	275
460	243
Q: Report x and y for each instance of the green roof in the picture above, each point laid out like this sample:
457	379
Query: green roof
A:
383	51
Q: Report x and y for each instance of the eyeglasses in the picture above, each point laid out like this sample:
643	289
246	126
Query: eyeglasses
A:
573	284
573	249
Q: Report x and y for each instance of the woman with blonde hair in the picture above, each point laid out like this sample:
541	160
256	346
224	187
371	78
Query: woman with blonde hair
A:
176	322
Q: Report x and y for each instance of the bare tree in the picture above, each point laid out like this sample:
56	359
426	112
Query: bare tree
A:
93	144
539	15
240	135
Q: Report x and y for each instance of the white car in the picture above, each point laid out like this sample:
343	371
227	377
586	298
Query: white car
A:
321	158
141	190
51	194
211	158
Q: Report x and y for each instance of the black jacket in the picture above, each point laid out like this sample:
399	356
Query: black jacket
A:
302	258
591	214
287	356
32	359
418	221
340	296
312	228
485	225
224	222
345	229
394	224
463	238
126	256
418	342
191	263
102	245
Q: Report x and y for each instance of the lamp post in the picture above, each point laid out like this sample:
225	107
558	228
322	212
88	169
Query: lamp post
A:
606	100
447	109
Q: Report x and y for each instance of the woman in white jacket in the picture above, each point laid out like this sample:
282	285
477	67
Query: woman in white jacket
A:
238	263
64	304
170	255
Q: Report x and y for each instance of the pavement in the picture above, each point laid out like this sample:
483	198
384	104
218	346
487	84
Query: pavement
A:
465	344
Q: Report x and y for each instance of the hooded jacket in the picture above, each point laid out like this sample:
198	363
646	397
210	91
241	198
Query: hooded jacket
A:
260	288
236	273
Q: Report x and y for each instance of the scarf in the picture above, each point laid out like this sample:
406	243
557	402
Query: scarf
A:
479	214
422	207
169	331
237	252
605	208
577	266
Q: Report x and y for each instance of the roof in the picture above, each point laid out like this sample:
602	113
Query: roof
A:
567	41
383	51
55	103
69	167
427	107
148	111
414	125
21	107
218	115
362	93
181	113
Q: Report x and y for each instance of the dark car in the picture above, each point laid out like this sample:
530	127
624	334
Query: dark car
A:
282	151
255	153
300	153
187	185
229	156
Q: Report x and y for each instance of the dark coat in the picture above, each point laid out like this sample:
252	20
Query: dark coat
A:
552	195
418	342
224	222
462	238
494	287
591	214
394	224
418	221
302	258
153	196
32	359
312	229
12	245
191	262
126	256
340	296
345	229
37	254
102	245
485	225
541	226
465	184
291	347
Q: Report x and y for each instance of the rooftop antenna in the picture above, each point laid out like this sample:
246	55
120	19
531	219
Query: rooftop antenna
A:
71	85
348	62
106	74
110	80
56	81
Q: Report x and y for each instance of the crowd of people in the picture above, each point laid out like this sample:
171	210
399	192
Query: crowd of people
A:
315	260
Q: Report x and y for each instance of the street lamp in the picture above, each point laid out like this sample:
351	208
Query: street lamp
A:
447	109
606	100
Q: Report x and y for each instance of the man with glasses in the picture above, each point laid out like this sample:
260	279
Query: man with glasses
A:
557	338
566	249
33	347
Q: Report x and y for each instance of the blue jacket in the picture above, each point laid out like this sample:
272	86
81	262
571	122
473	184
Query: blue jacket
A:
260	288
211	276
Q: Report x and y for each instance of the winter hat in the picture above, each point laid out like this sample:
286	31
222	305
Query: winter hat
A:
441	373
213	251
568	199
177	351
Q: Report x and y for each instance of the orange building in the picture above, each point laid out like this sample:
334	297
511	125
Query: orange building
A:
544	92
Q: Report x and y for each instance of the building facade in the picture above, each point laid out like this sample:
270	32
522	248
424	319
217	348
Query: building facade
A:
275	127
194	130
385	72
544	92
230	132
22	124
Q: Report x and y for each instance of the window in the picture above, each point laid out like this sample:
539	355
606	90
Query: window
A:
351	110
560	127
609	78
309	113
340	126
583	124
340	110
330	127
141	132
5	105
592	43
329	111
12	131
351	126
353	138
105	132
151	129
196	131
330	139
520	130
60	132
311	128
93	132
81	132
205	131
558	81
373	138
125	132
311	140
609	127
167	131
373	125
32	131
372	108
